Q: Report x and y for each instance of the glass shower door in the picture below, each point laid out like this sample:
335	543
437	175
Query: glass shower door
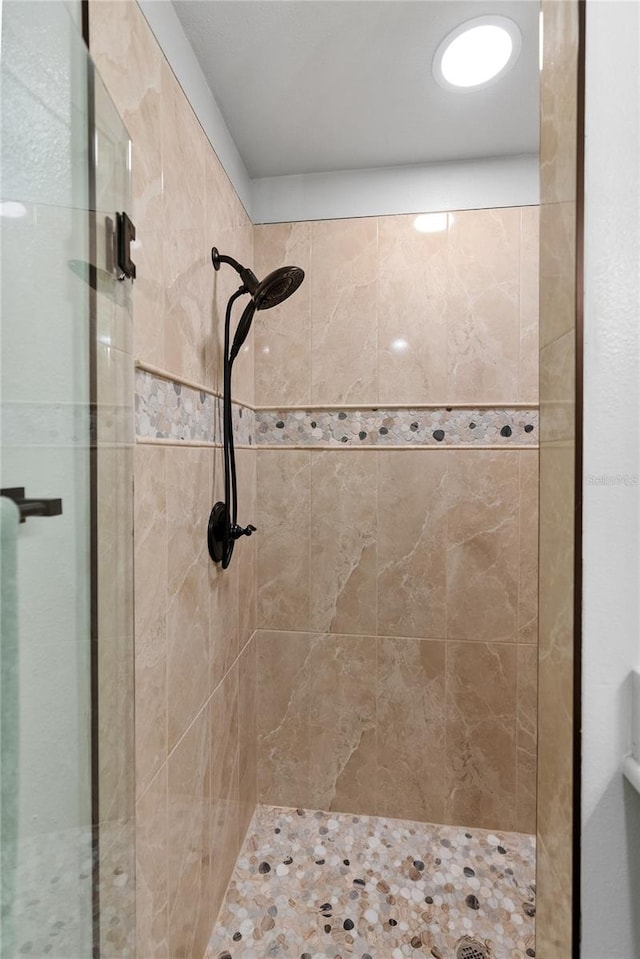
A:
65	791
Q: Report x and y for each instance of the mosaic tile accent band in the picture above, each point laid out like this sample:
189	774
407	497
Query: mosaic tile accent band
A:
323	885
168	410
464	427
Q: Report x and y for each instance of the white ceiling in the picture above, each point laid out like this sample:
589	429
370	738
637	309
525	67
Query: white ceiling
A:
310	86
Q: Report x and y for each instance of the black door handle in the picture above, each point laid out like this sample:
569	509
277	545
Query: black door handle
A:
32	507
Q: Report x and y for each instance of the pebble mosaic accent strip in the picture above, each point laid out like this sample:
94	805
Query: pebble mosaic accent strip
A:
171	411
318	885
406	427
168	410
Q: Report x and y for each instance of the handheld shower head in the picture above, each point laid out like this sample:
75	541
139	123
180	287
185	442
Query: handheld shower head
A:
273	290
223	529
277	287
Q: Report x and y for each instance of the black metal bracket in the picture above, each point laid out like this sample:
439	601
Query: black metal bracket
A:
32	507
126	233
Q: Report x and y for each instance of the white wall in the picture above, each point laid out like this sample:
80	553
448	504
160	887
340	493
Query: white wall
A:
611	808
425	188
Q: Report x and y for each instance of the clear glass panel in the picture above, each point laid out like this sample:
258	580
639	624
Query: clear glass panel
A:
114	517
60	777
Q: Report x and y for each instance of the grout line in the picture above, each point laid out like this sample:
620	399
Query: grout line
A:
313	407
163	441
519	372
516	777
163	374
207	701
376	805
423	639
446	774
379	447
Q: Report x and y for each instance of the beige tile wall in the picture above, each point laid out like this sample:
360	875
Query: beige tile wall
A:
397	600
559	110
377	636
195	658
391	315
397	590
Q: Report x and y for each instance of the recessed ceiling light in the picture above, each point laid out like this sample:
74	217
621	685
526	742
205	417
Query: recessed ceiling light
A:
477	53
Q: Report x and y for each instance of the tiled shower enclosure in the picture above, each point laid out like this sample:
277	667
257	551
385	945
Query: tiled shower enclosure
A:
370	656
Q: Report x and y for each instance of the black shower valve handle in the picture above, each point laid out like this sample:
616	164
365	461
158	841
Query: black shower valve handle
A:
237	531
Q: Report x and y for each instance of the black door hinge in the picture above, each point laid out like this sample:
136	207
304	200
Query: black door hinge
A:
126	233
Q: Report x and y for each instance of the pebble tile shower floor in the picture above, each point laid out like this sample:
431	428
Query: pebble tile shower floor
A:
318	885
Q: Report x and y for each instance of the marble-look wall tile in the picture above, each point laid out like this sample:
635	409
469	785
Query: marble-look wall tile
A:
283	334
184	147
557	384
130	63
283	718
342	728
529	303
223	208
483	544
528	550
186	272
526	739
224	633
558	176
284	487
343	542
149	298
224	594
188	666
404	316
248	733
481	734
151	870
412	515
344	318
189	867
557	272
220	285
433	730
189	616
150	537
411	729
559	101
556	551
224	836
188	650
243	369
483	306
412	331
246	548
555	697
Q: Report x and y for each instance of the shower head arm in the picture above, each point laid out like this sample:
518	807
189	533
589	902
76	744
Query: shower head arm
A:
247	276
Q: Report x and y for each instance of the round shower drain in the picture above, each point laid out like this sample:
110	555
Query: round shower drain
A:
472	949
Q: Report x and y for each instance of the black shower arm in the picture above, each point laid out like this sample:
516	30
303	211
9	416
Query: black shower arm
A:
247	276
